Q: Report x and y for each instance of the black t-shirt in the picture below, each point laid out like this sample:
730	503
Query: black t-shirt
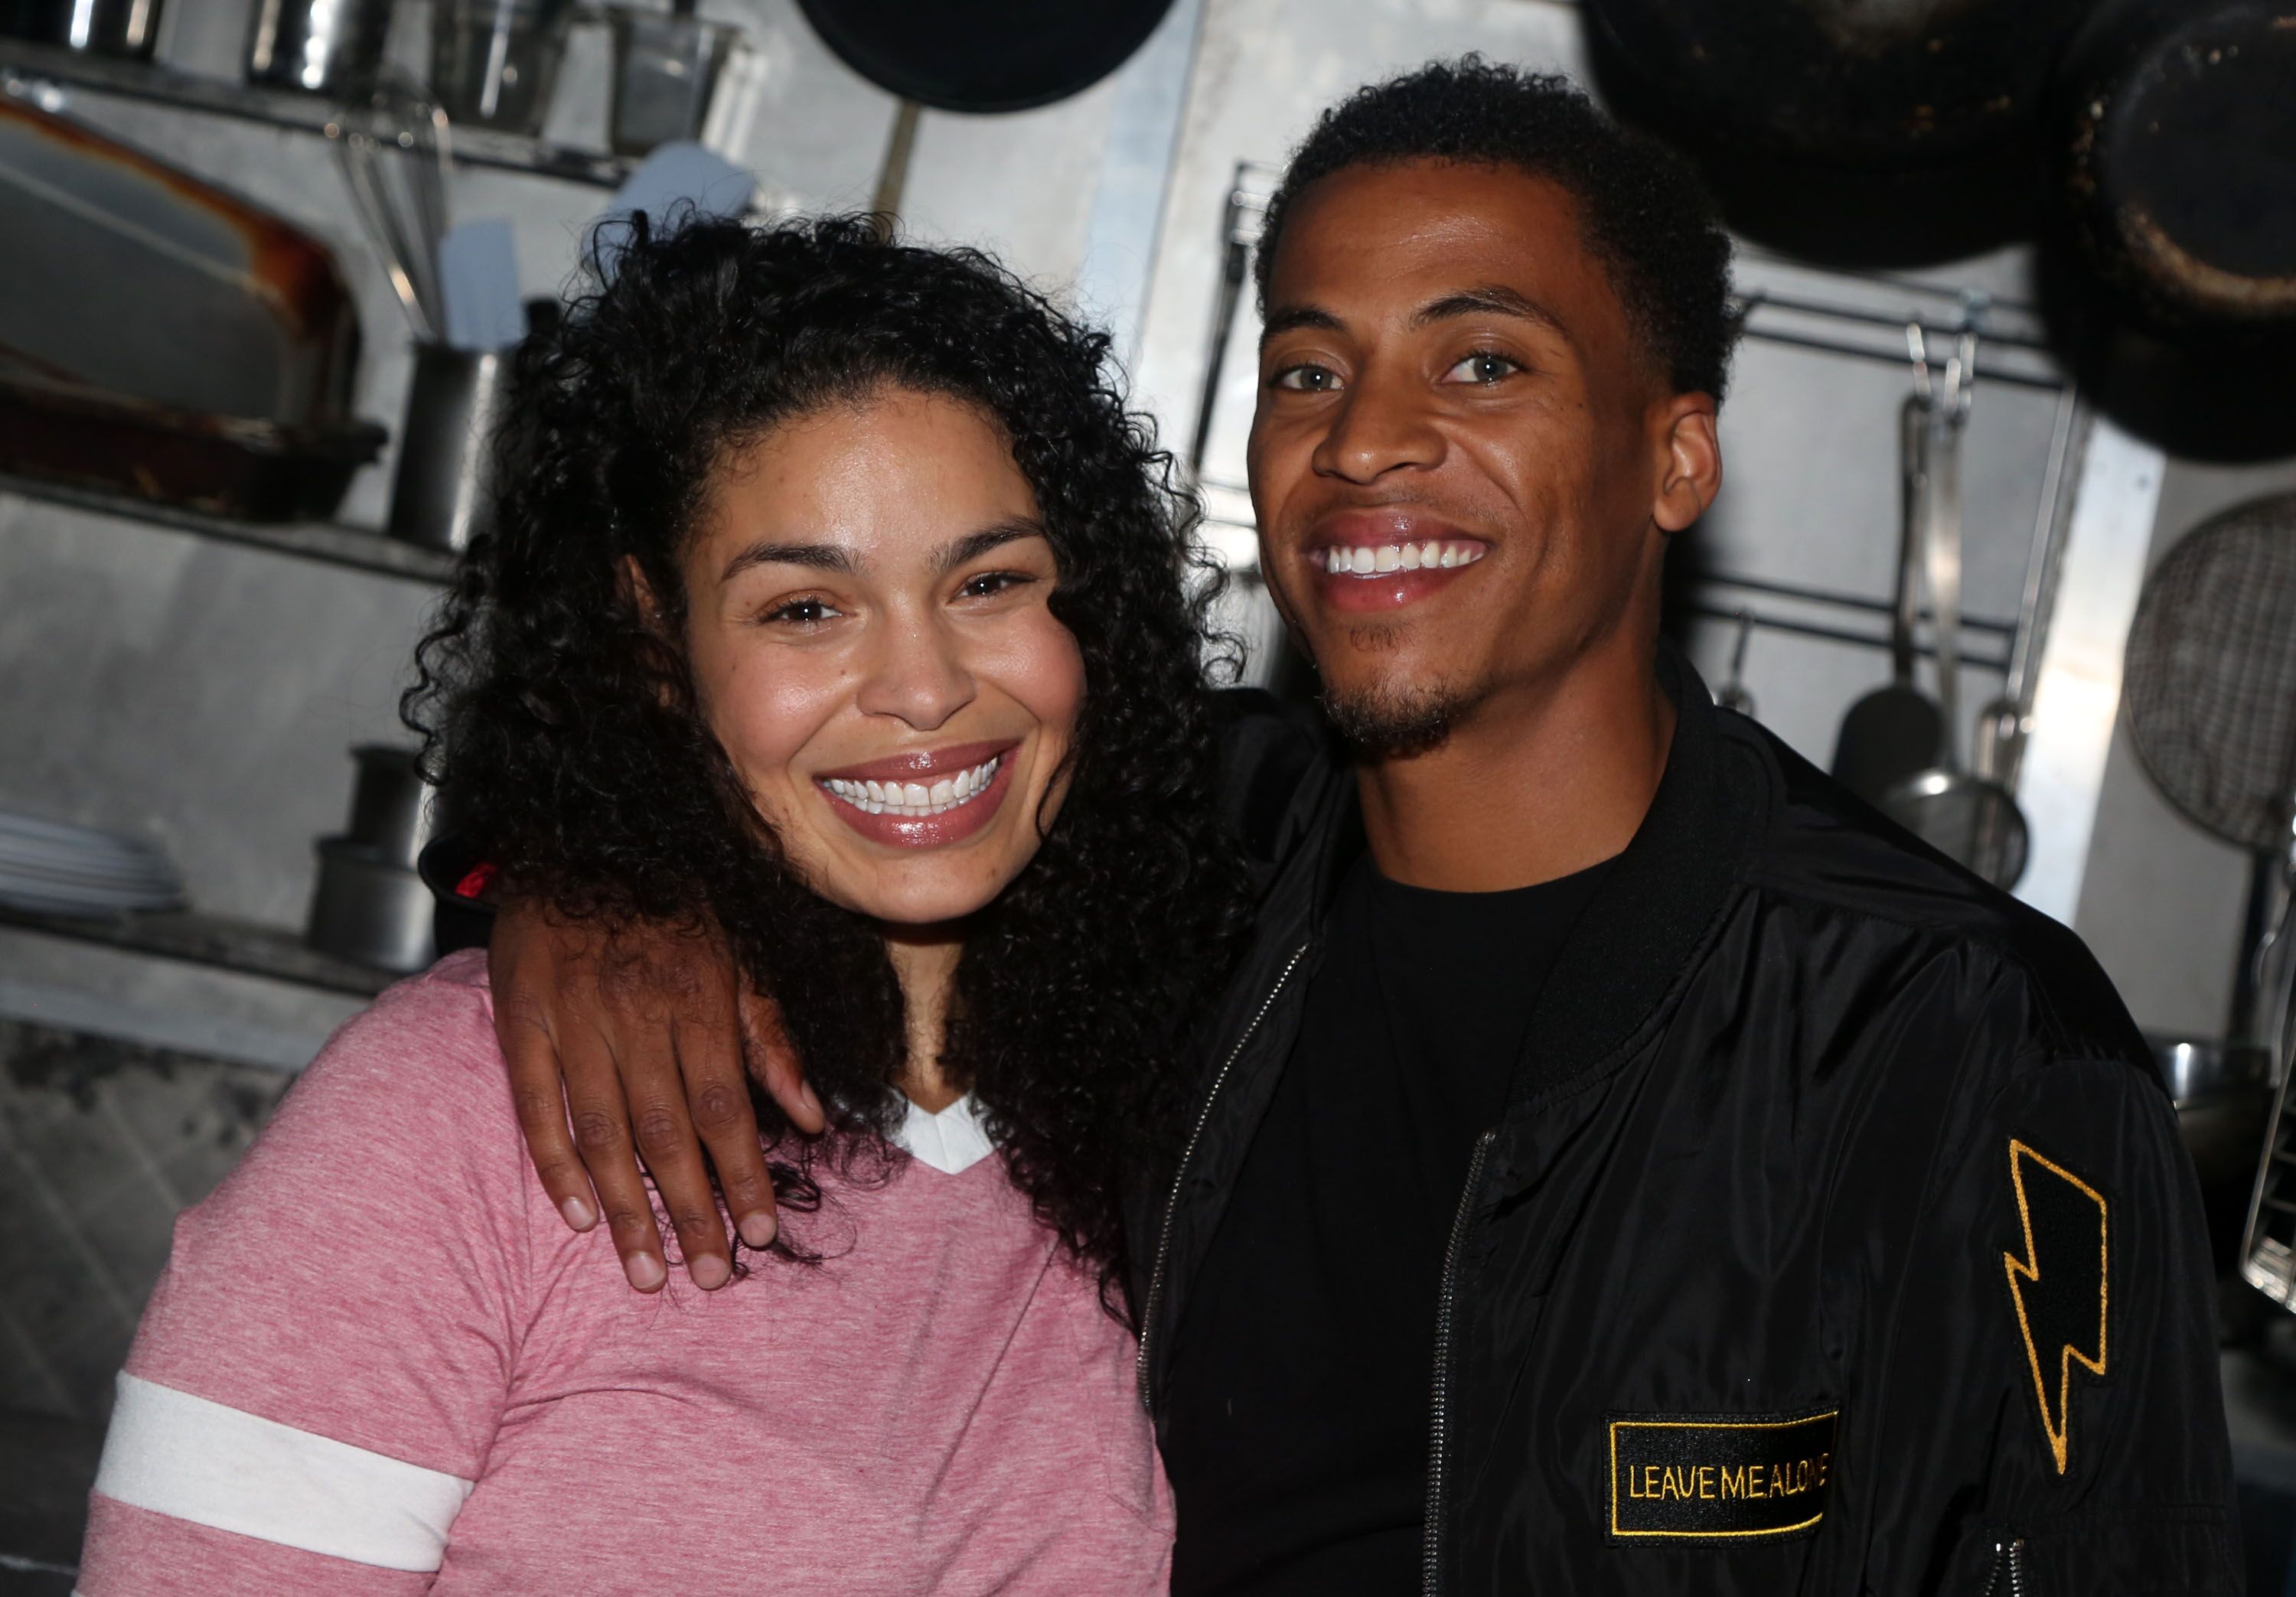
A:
1296	1437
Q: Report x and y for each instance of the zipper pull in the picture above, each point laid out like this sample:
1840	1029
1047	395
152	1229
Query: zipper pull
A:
2008	1559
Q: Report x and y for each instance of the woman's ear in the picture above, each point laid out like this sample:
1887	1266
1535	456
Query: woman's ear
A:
640	595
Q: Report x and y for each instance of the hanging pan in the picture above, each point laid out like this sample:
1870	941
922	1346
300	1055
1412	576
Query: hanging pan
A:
984	55
2172	124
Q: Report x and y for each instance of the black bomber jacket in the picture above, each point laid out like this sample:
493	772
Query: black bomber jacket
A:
1836	1238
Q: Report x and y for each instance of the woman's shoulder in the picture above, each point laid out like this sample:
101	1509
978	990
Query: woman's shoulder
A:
417	1072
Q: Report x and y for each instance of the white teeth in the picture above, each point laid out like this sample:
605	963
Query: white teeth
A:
913	799
1434	555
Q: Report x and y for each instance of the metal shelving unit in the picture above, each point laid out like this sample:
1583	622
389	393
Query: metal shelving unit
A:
327	542
215	941
38	65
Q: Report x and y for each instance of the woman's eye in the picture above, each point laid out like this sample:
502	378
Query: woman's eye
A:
1482	367
989	584
802	613
1308	380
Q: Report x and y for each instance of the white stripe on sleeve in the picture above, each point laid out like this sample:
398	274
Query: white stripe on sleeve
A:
170	1452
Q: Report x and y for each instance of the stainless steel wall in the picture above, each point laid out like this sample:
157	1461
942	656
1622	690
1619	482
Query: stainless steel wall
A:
206	693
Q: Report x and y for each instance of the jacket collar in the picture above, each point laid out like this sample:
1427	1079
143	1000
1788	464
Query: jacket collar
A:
1649	918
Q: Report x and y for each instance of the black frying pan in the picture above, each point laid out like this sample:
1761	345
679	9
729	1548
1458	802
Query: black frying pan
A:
1873	83
984	55
2173	128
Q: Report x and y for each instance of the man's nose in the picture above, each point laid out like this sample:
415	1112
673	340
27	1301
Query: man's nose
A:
917	675
1382	424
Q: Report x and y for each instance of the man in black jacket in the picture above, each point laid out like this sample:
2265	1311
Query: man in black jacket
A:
1625	1163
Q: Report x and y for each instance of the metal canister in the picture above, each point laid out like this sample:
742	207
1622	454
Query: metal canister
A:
443	494
493	63
322	46
129	28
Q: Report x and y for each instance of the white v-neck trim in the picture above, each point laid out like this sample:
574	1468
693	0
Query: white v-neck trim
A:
951	1141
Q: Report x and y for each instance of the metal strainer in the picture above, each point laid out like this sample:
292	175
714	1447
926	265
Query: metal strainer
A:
2211	676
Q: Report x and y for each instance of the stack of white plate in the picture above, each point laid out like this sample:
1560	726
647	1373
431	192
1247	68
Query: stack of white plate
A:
51	868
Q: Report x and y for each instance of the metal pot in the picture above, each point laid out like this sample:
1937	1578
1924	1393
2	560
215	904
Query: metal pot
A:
370	909
2223	1094
443	494
391	807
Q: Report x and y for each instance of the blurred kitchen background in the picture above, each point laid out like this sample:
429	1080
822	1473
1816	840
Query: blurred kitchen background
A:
2018	280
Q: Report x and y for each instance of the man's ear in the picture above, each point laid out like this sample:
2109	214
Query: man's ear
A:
1690	474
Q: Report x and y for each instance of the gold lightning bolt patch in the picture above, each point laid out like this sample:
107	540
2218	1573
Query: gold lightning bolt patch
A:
2059	1287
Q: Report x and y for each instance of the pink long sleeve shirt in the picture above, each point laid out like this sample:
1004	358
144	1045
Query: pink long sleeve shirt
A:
380	1362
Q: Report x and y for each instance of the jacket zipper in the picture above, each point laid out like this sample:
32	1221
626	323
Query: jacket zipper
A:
1438	1426
2009	1559
1187	1153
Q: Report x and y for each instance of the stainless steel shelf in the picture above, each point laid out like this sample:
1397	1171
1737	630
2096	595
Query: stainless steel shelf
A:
286	108
330	543
215	941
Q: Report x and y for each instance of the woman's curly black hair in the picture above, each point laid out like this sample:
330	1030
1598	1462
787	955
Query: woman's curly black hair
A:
565	734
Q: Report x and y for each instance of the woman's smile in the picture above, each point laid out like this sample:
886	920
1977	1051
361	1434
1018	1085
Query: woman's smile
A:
927	799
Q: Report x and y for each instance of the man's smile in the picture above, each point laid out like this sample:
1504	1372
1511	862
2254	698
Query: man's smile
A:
1376	560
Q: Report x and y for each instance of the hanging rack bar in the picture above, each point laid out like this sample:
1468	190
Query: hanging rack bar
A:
1832	596
1733	615
1892	357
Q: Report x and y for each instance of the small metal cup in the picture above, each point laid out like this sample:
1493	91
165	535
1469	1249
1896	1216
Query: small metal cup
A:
443	496
321	46
493	63
666	71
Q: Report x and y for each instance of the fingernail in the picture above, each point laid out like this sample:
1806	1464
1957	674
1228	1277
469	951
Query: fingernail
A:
759	1230
643	1270
578	1214
709	1272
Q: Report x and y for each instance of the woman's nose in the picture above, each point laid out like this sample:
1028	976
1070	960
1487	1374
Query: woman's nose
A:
917	676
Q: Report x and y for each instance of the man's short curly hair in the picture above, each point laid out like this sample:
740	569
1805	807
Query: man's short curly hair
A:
1644	214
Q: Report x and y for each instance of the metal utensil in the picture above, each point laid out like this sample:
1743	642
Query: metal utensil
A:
395	148
1964	814
1733	694
128	29
1896	731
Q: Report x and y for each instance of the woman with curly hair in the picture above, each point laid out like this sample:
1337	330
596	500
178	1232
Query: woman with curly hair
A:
836	602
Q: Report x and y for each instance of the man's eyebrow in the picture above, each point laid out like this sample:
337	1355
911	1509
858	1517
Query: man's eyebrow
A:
1289	316
1489	299
974	545
821	557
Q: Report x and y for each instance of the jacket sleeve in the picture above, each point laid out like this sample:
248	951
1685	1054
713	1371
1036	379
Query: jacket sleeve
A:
2054	1411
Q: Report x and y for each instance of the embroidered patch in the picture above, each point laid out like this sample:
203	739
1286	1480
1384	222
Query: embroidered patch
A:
2059	1288
1701	1478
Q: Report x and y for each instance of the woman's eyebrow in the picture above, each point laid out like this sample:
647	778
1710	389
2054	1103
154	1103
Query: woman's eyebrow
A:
821	557
972	546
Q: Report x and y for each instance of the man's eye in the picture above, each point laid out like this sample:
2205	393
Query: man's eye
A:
802	613
1482	367
1308	380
